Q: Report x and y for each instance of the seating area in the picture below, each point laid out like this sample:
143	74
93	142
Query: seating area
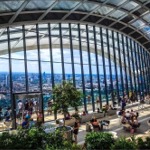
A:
129	120
88	117
128	127
95	125
84	118
111	112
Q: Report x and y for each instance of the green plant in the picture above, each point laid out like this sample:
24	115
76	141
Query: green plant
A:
124	144
71	146
66	146
66	95
143	144
99	140
34	138
76	115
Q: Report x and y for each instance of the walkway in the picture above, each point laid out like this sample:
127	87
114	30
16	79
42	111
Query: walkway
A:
144	115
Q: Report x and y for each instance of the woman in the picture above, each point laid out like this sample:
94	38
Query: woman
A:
68	116
76	129
39	119
95	124
134	124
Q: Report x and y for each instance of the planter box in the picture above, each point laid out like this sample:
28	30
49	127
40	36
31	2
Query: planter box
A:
88	117
98	115
70	122
67	133
111	112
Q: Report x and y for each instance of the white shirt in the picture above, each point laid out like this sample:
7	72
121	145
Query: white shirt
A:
20	105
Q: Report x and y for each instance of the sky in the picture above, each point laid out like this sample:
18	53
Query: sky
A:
32	55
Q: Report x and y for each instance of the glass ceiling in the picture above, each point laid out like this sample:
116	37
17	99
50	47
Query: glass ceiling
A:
131	17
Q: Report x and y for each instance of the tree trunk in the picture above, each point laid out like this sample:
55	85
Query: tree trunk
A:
64	117
55	114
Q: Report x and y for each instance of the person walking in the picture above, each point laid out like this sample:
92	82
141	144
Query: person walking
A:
76	130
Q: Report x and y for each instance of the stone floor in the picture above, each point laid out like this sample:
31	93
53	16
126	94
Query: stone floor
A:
115	126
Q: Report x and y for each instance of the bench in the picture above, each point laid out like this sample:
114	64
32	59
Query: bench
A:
69	122
90	127
111	112
88	117
2	125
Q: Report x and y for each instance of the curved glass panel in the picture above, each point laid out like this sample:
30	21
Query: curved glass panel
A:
147	17
98	64
116	2
86	7
36	4
117	14
7	6
129	6
13	11
104	10
65	5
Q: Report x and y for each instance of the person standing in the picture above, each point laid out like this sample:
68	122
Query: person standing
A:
39	119
76	130
49	110
123	105
20	107
7	114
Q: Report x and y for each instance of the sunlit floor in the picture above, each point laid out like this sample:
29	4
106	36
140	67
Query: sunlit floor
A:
48	117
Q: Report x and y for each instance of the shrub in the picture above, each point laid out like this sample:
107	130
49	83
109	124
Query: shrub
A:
123	144
99	140
143	144
34	138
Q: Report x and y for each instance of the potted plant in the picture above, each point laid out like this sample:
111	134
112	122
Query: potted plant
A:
65	96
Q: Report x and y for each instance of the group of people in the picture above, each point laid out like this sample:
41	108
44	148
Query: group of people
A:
30	106
130	118
6	115
98	125
107	107
26	110
29	122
